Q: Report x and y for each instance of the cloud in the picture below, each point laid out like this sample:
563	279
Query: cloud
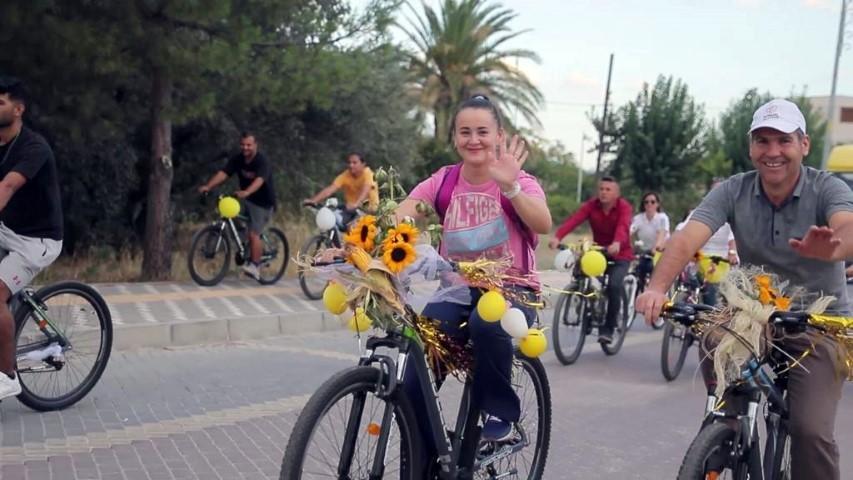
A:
580	80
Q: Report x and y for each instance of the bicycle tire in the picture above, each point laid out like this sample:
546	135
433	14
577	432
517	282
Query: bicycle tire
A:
311	247
564	307
630	296
710	446
352	380
672	370
277	273
217	234
619	333
91	298
536	371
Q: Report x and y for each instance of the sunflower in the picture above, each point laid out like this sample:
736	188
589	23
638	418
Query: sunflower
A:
363	233
398	255
408	233
358	257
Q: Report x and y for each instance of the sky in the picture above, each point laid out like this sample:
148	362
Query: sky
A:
719	48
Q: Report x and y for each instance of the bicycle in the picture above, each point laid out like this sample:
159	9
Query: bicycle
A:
210	251
677	339
345	429
728	443
582	307
327	237
63	338
641	277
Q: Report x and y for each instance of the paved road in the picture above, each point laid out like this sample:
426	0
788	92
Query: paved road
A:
225	411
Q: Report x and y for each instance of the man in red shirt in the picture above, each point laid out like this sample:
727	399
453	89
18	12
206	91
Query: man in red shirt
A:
609	217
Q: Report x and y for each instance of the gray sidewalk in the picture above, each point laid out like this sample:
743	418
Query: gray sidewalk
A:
175	314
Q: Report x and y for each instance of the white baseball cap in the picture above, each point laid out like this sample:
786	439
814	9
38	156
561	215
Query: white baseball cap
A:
778	114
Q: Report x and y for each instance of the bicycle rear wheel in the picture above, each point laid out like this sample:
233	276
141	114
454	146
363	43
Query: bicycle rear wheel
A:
676	342
527	463
312	286
570	324
82	319
275	256
620	331
210	255
709	456
346	415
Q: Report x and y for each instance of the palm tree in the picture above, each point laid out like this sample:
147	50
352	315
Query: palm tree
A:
458	54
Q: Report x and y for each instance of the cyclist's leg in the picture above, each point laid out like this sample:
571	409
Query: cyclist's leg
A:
493	353
348	216
644	269
259	217
23	258
709	293
813	395
615	291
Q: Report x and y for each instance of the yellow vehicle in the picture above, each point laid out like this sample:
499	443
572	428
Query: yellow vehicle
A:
840	162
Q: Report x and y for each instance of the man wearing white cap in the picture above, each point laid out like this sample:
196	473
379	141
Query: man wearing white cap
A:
797	222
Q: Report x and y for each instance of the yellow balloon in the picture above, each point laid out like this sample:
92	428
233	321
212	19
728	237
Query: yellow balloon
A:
335	298
359	322
593	263
656	258
711	272
229	207
534	344
492	306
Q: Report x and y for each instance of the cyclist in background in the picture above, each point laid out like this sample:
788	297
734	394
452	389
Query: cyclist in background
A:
651	227
358	187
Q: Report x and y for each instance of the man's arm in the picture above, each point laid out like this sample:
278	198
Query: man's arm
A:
252	188
10	184
842	224
323	194
573	221
214	181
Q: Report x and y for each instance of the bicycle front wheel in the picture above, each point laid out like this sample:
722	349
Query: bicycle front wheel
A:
312	286
338	432
210	255
275	256
676	343
74	345
569	326
709	456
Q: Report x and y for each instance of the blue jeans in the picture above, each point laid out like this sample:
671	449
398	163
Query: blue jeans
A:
493	352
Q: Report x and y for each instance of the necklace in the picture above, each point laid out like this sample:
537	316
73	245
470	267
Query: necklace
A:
9	150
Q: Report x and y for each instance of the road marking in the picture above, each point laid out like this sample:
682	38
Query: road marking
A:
229	305
145	312
256	305
205	310
303	303
279	303
176	311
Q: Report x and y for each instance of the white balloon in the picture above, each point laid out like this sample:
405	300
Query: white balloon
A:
565	260
325	219
514	323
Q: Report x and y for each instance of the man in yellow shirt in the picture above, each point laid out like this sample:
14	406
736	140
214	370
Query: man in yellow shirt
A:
358	187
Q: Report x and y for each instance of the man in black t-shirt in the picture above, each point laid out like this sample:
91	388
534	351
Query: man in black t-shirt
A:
30	216
256	189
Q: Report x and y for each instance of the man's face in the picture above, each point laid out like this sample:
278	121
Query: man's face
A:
248	146
777	155
10	110
355	165
608	192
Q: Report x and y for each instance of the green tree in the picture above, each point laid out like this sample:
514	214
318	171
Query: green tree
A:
660	138
816	128
459	50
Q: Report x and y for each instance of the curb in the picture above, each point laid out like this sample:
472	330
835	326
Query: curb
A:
175	334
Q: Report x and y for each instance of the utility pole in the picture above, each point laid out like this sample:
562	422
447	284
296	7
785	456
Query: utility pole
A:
604	120
830	112
584	138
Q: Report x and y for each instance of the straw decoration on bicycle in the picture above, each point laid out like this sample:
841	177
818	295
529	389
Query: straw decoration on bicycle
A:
741	324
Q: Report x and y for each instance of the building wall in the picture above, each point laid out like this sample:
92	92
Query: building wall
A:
842	131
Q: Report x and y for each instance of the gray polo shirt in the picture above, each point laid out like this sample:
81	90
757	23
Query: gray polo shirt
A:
762	231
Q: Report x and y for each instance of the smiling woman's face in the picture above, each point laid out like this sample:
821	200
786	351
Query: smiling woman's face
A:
475	135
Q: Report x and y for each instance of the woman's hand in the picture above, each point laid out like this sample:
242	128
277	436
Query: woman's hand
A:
507	161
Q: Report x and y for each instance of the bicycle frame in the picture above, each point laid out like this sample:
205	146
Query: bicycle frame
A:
42	320
451	452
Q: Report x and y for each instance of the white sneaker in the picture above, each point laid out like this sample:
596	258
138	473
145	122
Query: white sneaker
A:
9	387
251	270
